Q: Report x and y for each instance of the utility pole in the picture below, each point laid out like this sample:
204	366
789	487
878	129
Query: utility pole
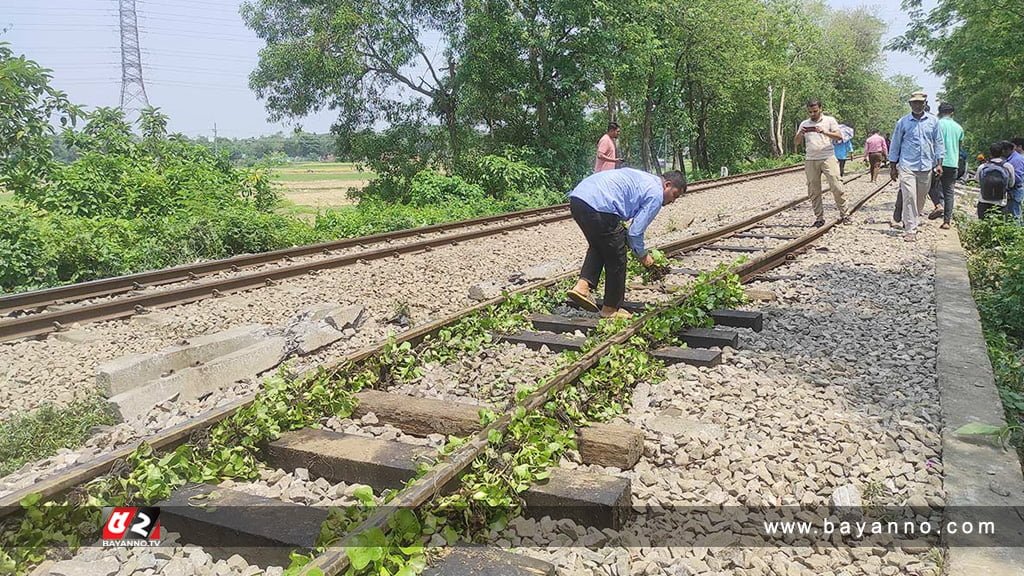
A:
215	149
133	89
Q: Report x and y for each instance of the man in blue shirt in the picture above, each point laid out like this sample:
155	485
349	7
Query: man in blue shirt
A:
916	152
599	205
1015	196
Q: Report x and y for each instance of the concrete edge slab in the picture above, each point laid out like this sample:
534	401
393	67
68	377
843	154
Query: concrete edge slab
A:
977	472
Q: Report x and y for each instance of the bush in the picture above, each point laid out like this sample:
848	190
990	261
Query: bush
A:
24	252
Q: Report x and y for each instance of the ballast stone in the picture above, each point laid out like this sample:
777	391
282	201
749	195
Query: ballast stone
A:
321	326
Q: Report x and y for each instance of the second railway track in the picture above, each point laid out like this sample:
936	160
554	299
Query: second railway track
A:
44	311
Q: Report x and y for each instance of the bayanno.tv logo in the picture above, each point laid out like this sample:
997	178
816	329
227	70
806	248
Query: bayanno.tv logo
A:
131	526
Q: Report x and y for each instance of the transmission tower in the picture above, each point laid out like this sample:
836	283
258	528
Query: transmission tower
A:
133	89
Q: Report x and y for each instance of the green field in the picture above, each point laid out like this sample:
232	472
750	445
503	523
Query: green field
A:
309	187
320	171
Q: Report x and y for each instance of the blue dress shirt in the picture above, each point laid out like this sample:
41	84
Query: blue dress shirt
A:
917	143
629	194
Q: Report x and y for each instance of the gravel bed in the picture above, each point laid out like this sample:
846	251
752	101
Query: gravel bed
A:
837	392
488	379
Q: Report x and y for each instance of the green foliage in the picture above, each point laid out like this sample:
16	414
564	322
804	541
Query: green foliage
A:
975	47
653	274
29	104
707	294
117	175
24	252
41	433
995	249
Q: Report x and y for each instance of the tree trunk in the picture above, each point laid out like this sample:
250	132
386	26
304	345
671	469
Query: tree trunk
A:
772	132
612	103
779	126
647	127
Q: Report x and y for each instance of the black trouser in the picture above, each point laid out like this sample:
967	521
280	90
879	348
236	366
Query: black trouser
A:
606	250
842	168
985	210
942	193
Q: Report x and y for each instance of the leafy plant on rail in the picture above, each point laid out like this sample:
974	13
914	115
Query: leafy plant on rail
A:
655	273
489	494
232	447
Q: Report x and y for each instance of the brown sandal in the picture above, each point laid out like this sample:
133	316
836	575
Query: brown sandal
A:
582	300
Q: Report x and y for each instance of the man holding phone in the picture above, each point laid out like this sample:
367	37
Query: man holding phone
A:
818	133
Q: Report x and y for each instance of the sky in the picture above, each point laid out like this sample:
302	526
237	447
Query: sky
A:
197	55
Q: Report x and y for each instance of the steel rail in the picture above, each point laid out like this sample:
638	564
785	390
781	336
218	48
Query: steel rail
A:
119	284
335	560
63	481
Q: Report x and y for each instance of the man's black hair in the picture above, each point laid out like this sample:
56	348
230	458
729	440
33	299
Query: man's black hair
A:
814	102
613	126
995	150
1018	142
1007	148
676	178
946	108
873	131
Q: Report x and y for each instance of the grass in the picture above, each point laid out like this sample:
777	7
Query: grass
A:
321	176
41	433
319	171
6	198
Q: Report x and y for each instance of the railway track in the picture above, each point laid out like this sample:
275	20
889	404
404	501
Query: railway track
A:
41	312
776	243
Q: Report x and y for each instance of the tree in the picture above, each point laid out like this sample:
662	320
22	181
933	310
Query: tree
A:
977	46
27	103
358	57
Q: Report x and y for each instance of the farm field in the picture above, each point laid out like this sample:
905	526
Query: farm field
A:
311	186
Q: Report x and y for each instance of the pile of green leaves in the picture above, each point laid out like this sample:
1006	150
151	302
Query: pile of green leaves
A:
655	272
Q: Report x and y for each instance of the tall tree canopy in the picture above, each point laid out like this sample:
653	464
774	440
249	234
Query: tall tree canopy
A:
432	81
978	47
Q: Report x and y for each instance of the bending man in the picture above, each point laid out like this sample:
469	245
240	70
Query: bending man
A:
599	205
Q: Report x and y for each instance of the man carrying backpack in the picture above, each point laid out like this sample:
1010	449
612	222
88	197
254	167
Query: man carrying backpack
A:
996	178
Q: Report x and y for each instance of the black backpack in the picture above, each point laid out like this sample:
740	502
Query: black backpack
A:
994	181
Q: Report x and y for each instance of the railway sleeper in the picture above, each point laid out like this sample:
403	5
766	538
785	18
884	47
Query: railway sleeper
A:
265	531
732	318
608	445
729	318
702	357
587	498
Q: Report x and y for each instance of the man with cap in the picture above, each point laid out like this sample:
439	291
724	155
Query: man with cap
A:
916	153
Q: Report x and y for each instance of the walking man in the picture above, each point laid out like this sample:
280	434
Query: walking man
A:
995	178
877	149
607	155
941	191
844	149
599	205
818	133
916	153
1015	196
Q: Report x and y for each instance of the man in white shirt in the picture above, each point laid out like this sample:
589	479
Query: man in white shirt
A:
818	133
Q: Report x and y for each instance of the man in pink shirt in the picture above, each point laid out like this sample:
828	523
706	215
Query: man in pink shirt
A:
876	149
607	158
